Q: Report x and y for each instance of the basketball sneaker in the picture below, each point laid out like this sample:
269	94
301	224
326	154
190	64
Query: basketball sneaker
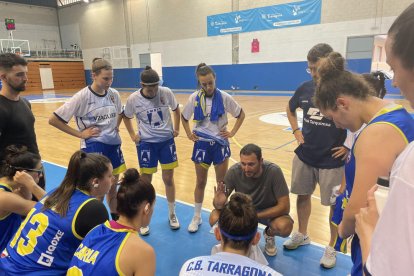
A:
174	223
270	246
144	231
296	240
194	224
328	259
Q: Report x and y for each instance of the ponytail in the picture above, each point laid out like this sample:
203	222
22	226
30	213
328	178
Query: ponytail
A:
81	169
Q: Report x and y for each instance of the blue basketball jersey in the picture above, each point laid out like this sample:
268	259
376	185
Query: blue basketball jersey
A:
45	242
9	223
99	252
402	121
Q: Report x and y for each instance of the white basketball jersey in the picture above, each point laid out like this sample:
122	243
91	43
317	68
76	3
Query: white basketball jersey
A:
206	126
94	110
152	114
224	263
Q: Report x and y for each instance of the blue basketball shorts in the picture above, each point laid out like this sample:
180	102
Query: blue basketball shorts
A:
113	152
205	153
341	201
149	154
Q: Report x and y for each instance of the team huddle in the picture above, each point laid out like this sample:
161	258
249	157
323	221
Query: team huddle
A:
68	231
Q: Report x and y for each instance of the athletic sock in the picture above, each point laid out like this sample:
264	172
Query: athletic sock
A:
171	207
197	209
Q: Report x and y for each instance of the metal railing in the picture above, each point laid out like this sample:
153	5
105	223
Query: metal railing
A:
62	53
44	53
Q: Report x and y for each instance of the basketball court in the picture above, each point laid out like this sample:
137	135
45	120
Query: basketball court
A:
55	76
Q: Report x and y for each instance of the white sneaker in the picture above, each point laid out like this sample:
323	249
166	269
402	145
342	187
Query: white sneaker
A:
328	259
213	228
174	223
195	222
144	230
296	240
270	247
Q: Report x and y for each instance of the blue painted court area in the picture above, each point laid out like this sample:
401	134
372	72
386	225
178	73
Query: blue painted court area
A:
173	248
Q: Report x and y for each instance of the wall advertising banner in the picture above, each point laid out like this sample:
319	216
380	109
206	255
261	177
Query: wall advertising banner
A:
294	14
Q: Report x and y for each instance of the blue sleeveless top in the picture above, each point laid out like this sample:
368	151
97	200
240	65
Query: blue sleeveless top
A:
9	223
45	242
402	121
99	252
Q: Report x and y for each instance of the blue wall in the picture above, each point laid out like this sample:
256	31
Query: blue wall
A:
283	76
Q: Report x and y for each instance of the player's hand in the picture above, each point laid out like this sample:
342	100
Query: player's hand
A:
367	218
24	179
220	195
340	152
226	134
193	137
90	132
25	184
176	132
299	137
135	138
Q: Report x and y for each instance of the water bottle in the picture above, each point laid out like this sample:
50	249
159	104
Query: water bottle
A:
381	194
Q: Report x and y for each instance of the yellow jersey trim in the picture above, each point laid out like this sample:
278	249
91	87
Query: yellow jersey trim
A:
8	187
118	255
108	225
76	215
396	128
385	110
84	192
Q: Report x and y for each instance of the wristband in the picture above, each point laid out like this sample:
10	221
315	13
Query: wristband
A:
293	132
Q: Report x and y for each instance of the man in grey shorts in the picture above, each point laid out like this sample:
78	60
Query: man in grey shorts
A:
265	183
319	156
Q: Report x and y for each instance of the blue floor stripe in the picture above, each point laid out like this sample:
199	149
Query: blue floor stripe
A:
174	247
188	92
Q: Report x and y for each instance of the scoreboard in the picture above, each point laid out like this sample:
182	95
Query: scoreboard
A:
10	24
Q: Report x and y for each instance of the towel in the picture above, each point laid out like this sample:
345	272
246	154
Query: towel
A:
217	108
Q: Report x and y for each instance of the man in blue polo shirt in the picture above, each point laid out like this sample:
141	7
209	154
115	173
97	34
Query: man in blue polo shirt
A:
319	156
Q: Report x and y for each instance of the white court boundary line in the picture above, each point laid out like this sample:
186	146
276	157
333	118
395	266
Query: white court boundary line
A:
261	226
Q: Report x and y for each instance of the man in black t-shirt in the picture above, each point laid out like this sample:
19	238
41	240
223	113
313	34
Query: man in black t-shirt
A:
319	156
16	117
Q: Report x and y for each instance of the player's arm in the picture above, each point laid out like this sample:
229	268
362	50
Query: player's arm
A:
281	208
369	167
237	125
60	124
130	128
237	112
293	121
28	183
177	117
186	126
186	114
12	203
119	120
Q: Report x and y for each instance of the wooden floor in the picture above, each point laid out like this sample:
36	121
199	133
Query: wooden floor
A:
278	146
